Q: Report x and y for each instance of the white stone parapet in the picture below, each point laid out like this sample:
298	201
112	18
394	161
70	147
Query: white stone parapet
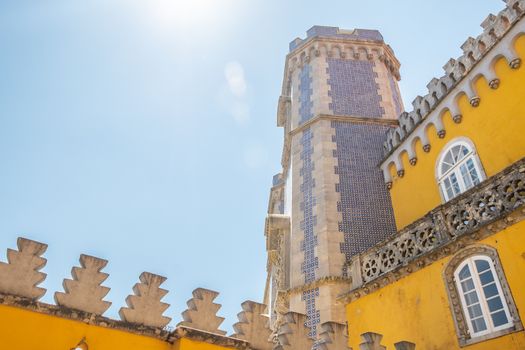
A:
479	57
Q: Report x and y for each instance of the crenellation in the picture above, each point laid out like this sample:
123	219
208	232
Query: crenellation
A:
333	336
293	333
254	326
202	312
145	305
405	345
85	292
479	57
515	6
371	341
21	274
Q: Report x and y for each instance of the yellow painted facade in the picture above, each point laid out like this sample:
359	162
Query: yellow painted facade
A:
417	309
496	127
22	329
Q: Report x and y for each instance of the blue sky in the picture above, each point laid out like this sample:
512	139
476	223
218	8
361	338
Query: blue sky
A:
143	132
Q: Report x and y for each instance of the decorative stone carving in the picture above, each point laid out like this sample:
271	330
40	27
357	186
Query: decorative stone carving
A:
277	228
466	213
457	118
283	109
84	292
253	326
371	341
333	336
494	83
202	312
21	275
145	306
293	333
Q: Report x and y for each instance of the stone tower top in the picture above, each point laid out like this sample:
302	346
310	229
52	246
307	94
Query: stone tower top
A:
339	73
336	32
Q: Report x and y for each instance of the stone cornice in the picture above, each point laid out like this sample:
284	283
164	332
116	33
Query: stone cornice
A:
210	338
476	214
101	321
341	48
343	118
331	43
318	283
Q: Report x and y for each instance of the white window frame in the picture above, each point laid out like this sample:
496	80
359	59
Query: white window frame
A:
481	296
456	169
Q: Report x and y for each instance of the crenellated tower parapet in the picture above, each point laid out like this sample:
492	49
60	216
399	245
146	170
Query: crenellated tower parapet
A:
341	73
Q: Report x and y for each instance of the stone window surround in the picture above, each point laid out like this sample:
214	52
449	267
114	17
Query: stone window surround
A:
456	309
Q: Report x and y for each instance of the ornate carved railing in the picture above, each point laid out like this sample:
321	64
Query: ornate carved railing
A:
489	201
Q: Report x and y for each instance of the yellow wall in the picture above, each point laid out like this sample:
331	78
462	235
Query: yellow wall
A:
496	128
21	329
416	308
188	344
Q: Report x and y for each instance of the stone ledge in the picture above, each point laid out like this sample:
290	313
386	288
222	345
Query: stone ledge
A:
318	283
344	118
198	335
81	316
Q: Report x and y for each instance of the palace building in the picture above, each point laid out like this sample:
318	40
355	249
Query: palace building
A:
386	229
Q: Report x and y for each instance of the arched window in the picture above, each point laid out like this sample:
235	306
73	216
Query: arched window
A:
458	169
480	298
484	304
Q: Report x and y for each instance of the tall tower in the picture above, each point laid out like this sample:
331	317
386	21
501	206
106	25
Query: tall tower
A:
339	98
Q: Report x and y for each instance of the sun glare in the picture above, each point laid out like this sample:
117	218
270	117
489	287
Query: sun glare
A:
192	14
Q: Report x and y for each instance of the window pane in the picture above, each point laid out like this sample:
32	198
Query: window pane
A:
490	290
456	153
448	159
448	189
445	167
486	277
467	285
472	298
495	304
464	273
479	325
499	318
474	311
472	171
482	265
464	151
465	176
455	184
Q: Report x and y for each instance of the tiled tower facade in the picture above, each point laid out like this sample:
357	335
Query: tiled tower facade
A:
339	98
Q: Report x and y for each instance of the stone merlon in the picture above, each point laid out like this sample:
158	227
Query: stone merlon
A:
335	32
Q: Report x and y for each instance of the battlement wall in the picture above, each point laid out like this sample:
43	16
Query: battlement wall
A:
461	77
77	319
